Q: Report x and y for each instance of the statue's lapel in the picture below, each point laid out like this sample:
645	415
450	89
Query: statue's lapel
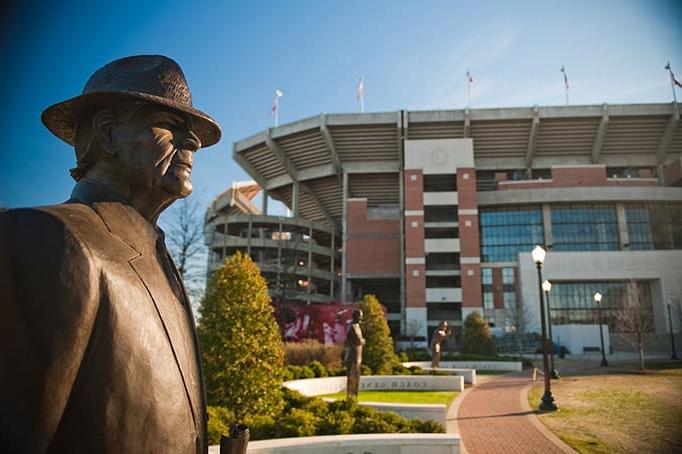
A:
128	225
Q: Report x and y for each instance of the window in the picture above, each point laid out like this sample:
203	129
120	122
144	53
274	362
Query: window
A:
487	288
440	183
442	261
444	311
573	302
585	228
654	226
445	232
507	231
443	282
440	213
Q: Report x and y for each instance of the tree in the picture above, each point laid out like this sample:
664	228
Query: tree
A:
242	352
517	319
378	353
184	224
476	336
634	318
414	327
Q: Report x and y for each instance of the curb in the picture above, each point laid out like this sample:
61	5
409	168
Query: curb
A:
535	421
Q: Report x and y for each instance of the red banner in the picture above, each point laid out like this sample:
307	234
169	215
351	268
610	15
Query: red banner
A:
326	323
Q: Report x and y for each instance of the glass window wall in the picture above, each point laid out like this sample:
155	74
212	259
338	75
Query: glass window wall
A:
585	228
654	226
507	231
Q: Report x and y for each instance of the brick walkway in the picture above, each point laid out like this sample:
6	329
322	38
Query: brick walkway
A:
493	417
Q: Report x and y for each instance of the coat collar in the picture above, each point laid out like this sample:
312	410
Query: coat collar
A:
120	217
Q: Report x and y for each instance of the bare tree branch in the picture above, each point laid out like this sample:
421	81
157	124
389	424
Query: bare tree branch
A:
634	317
186	244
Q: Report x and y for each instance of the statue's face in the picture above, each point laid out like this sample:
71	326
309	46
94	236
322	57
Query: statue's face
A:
156	147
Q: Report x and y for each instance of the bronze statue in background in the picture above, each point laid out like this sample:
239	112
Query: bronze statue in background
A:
353	360
441	334
98	351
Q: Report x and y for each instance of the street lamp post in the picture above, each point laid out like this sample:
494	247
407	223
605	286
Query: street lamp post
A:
672	336
547	403
597	299
547	286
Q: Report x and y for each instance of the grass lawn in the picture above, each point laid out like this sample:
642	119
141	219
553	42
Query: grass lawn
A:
404	397
617	409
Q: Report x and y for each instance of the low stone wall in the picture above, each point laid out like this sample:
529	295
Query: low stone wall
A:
436	412
330	385
357	444
505	366
469	375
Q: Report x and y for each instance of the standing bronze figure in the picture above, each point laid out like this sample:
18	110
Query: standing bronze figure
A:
354	343
441	334
98	351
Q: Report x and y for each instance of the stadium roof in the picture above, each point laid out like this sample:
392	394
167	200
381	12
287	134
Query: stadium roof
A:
316	151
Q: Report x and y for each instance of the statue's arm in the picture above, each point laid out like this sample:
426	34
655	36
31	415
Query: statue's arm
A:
48	304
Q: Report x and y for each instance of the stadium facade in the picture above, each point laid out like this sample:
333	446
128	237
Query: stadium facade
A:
436	212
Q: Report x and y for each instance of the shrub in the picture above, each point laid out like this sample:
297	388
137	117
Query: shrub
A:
403	357
378	352
301	353
242	352
318	369
220	420
296	423
417	354
365	370
476	336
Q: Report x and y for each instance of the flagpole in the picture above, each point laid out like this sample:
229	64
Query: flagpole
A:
563	71
672	81
276	110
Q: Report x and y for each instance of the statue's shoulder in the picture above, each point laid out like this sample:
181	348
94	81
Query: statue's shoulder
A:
54	225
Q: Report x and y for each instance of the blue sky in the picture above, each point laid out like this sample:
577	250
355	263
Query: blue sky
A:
413	55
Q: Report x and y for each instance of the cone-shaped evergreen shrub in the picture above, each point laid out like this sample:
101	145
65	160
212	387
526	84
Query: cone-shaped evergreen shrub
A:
241	349
378	353
476	336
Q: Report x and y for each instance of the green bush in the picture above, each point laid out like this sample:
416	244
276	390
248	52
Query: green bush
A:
309	350
365	370
416	354
220	420
476	336
306	416
403	357
241	349
378	352
318	369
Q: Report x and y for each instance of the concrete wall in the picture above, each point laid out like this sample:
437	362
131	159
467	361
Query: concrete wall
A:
476	365
357	444
330	385
577	337
662	268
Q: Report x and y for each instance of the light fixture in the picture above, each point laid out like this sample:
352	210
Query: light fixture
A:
538	255
547	286
597	297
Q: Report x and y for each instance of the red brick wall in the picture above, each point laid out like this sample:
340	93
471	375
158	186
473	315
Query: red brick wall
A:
570	177
415	286
373	244
498	289
468	237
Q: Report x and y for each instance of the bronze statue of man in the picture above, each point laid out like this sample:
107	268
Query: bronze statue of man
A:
353	360
441	334
98	351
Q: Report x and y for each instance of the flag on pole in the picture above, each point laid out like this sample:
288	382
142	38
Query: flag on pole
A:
275	106
470	81
672	76
566	84
361	93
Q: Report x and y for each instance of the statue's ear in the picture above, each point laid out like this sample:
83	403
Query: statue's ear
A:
102	124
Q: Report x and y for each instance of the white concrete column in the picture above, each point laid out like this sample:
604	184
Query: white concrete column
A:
295	198
622	227
547	225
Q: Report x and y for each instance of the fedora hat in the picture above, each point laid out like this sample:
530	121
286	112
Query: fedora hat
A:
152	78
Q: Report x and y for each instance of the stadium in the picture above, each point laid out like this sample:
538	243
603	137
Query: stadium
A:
436	213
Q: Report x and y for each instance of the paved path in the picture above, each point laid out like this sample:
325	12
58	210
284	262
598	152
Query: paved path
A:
494	417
